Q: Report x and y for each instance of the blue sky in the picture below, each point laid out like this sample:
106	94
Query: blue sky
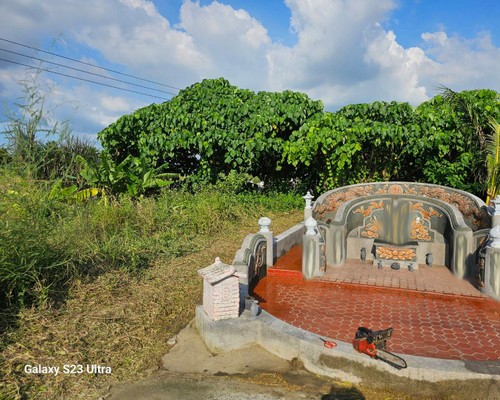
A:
339	51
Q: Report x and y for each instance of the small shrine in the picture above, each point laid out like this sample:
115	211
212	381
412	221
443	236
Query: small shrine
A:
221	292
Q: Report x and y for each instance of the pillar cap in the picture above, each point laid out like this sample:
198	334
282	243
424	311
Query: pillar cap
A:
264	223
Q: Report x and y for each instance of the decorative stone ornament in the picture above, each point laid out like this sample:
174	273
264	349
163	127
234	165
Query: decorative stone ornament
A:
308	198
311	225
495	236
264	224
429	259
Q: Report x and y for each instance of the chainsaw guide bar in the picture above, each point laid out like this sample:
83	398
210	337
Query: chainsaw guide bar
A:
373	343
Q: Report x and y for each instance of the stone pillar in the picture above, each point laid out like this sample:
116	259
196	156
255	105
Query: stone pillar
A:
492	265
264	224
337	244
308	208
495	220
311	254
462	262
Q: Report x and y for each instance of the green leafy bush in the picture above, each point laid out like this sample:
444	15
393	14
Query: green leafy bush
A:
45	243
212	128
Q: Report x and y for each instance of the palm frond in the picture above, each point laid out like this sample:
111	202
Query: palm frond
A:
493	160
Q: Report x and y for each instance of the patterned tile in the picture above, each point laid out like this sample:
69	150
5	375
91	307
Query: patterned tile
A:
463	325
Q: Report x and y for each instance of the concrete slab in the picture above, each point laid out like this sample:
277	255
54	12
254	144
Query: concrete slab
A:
341	362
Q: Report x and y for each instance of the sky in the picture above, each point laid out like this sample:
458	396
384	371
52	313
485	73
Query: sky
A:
338	51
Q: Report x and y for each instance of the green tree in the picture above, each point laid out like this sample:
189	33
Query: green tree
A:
212	128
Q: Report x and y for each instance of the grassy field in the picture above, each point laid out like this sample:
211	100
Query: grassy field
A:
109	285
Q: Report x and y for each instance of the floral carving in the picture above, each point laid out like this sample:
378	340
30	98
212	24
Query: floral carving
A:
373	206
372	229
476	217
393	253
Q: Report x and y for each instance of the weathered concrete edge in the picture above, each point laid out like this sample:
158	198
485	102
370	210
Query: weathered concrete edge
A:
288	342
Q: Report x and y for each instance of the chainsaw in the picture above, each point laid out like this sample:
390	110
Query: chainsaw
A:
374	344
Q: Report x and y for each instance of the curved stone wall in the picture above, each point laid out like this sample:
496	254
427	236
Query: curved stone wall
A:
442	221
472	208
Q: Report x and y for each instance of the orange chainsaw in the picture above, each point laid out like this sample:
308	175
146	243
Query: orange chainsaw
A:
374	344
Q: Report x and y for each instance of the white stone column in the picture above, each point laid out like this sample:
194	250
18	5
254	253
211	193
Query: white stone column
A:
311	251
492	264
495	237
264	224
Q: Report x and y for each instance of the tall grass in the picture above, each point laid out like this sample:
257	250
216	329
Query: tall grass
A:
46	243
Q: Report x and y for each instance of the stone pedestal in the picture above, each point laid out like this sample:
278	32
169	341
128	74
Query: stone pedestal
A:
221	292
311	253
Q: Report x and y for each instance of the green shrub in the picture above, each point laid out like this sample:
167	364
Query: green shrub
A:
46	242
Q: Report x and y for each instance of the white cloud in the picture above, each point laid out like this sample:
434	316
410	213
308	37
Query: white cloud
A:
398	75
462	63
233	43
342	54
332	40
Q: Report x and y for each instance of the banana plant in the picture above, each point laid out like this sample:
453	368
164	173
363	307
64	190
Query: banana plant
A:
493	161
133	175
142	178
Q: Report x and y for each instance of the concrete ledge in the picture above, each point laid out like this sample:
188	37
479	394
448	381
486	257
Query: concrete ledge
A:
288	239
342	362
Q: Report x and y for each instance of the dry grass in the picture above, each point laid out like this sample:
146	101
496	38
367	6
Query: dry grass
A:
117	320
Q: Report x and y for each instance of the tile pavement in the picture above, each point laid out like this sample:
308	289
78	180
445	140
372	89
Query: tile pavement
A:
433	314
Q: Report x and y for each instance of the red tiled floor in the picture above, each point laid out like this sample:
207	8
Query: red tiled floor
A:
450	326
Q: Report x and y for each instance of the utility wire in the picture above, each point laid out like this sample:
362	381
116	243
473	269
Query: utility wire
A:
82	79
86	63
87	72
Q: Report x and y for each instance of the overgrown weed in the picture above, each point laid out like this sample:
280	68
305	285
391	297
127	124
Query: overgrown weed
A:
116	318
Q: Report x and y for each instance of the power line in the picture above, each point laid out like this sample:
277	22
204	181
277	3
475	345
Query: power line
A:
82	79
86	63
86	72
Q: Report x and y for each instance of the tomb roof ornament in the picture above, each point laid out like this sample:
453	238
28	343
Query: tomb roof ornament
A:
308	198
216	272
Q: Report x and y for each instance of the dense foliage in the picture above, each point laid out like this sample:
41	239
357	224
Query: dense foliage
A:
435	142
212	128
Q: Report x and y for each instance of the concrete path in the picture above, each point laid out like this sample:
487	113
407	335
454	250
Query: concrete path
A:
190	371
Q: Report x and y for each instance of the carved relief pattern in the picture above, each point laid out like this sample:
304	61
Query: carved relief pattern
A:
478	217
425	214
392	253
373	206
419	231
371	229
260	257
420	226
322	260
334	201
